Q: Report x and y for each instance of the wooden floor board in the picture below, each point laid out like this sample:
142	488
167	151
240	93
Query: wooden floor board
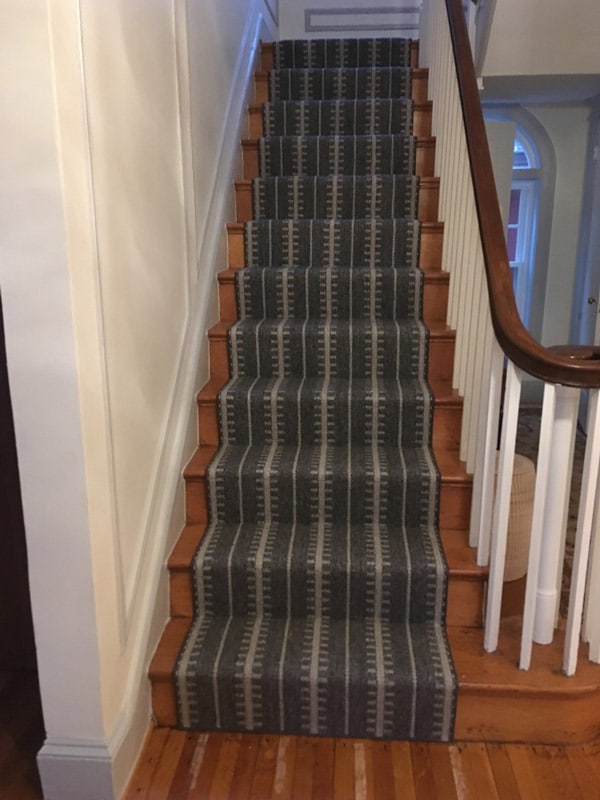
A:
302	785
323	775
284	768
344	774
244	768
443	775
504	776
179	766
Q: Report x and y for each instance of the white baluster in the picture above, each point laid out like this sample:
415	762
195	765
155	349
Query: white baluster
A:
512	396
483	486
555	512
591	619
587	502
537	522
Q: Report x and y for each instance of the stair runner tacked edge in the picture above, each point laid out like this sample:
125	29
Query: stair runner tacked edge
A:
320	583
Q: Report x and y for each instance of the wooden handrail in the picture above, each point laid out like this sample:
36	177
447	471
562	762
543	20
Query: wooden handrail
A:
570	366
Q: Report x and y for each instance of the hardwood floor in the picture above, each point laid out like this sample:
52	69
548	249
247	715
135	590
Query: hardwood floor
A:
21	735
175	765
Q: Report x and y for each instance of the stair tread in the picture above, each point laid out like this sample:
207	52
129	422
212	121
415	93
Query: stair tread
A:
246	183
317	663
425	141
432	276
238	227
460	557
498	673
477	671
445	397
437	330
257	107
451	467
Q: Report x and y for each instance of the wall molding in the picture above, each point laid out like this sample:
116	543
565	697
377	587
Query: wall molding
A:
383	19
273	9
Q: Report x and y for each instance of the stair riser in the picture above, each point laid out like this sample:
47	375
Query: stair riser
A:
441	355
429	192
435	300
421	121
425	159
432	236
420	79
446	425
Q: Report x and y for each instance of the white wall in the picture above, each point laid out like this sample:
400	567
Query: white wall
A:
121	125
543	37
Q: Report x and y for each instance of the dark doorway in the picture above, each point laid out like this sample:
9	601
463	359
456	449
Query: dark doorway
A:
21	725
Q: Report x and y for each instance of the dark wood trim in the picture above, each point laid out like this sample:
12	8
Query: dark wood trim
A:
567	366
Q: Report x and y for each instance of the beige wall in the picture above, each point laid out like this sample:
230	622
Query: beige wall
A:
121	126
543	37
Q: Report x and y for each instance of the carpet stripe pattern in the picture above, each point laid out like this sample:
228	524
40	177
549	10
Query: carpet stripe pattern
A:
320	583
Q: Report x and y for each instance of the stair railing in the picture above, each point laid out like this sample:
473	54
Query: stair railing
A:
493	351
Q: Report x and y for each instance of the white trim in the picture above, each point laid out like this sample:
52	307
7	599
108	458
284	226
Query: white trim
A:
347	23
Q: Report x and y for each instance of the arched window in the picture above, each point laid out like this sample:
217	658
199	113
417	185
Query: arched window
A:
521	235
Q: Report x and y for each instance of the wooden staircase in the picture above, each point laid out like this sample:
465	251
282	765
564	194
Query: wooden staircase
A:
496	701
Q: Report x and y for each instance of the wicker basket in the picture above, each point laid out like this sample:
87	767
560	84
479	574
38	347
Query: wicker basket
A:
519	519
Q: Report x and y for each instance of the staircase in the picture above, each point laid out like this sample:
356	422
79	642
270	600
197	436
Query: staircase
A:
483	681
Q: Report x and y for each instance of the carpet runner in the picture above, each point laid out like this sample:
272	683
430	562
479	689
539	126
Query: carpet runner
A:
320	582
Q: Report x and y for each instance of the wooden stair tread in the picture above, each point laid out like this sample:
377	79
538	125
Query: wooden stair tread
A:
432	276
498	672
424	141
255	107
436	330
163	661
418	72
246	183
451	467
426	227
196	466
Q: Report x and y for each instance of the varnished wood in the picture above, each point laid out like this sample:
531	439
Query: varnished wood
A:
175	765
562	367
499	702
425	158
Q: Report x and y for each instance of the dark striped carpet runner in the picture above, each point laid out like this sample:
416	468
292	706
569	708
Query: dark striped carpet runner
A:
320	583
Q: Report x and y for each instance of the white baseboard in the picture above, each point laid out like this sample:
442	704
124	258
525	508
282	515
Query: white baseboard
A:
76	770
